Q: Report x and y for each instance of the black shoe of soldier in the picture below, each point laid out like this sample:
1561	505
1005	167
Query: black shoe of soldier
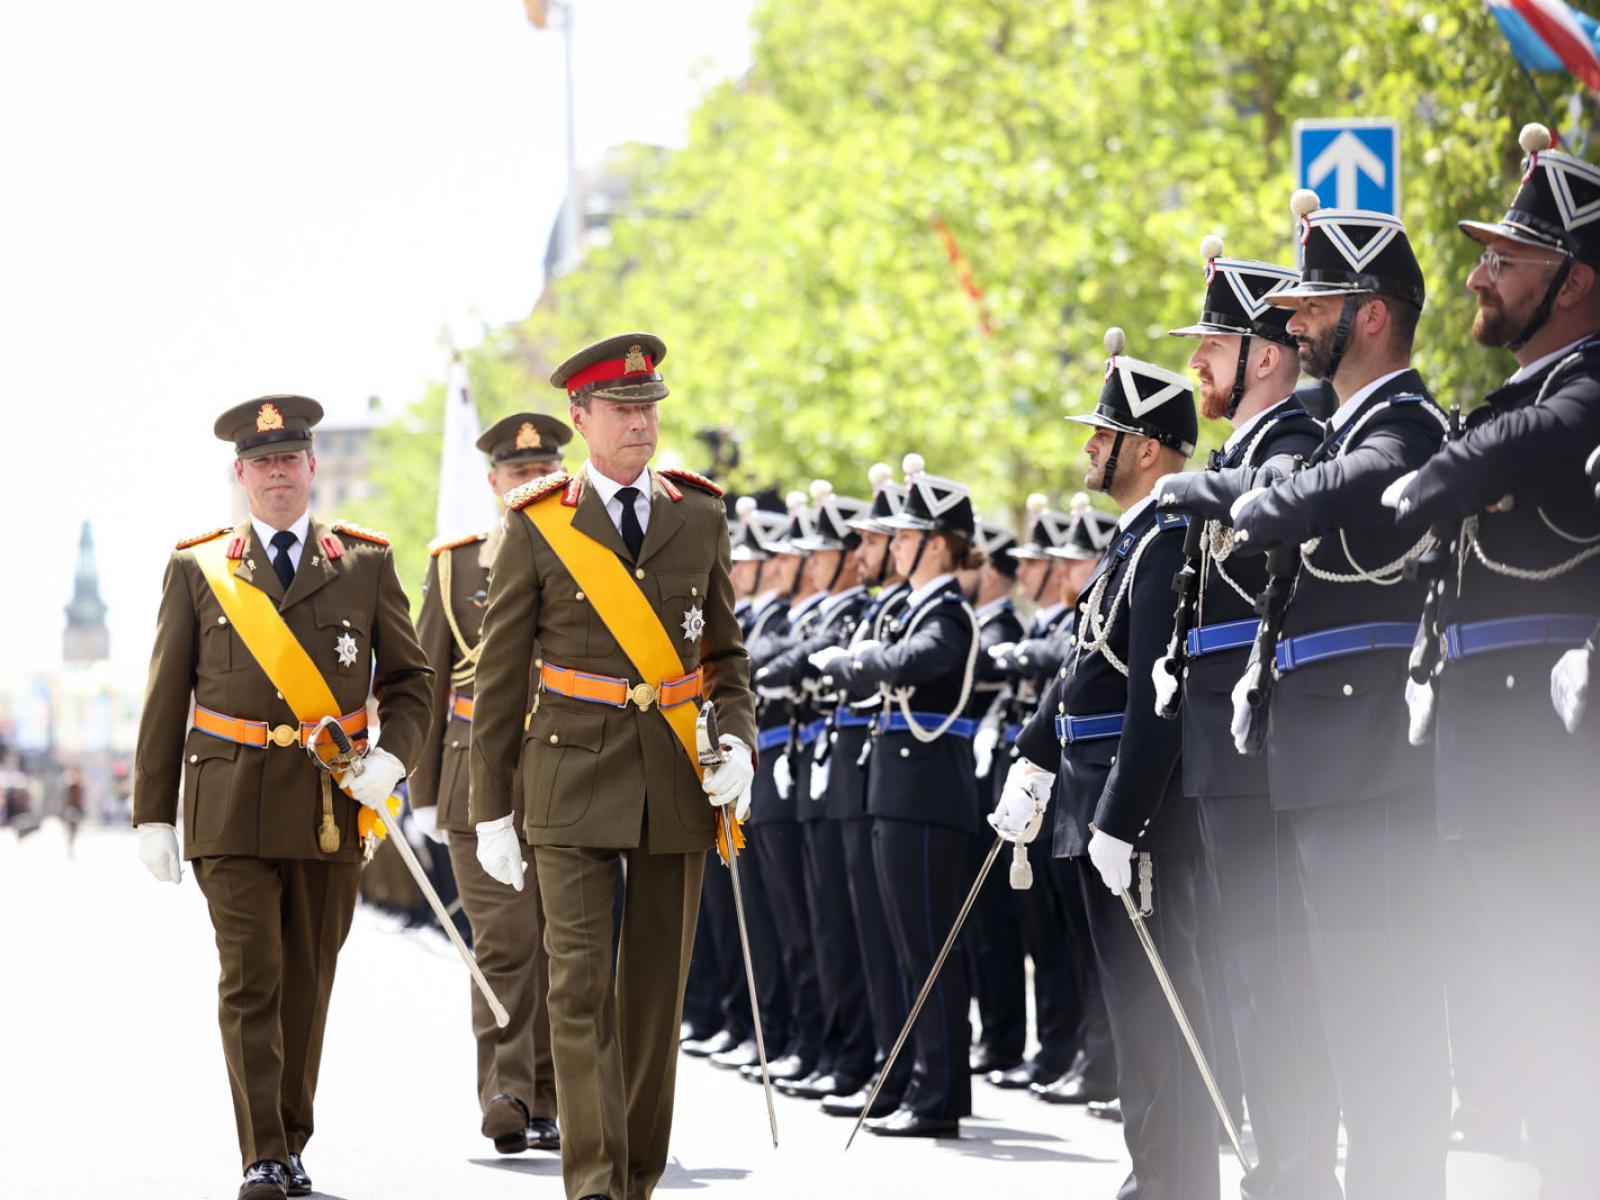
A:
983	1060
717	1043
299	1181
1023	1075
851	1105
821	1084
544	1134
265	1180
1106	1110
905	1123
738	1056
505	1122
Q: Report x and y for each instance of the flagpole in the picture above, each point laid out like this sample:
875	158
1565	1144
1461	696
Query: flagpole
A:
1549	113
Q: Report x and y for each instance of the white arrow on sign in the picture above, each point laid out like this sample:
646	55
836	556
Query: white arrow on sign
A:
1347	158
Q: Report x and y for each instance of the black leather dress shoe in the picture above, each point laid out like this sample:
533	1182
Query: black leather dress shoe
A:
1022	1075
820	1085
299	1181
505	1123
852	1104
543	1134
736	1056
1106	1110
265	1180
1073	1088
717	1043
983	1060
789	1067
902	1122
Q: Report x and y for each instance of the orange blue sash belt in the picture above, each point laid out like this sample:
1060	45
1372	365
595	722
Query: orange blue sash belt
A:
619	693
461	706
260	734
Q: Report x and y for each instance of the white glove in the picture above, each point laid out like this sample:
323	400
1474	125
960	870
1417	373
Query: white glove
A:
1113	858
1002	651
1245	500
1023	799
826	657
1167	682
1392	493
500	852
1241	706
782	777
774	693
983	747
426	822
380	773
1569	687
1162	485
819	778
729	781
1419	703
158	851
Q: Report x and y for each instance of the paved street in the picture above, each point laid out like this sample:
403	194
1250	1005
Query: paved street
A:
112	1083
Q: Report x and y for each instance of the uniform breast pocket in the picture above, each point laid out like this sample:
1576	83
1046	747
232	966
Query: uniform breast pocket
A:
342	643
220	648
561	761
682	609
207	776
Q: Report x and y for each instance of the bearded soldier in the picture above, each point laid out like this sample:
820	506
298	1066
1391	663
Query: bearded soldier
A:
516	1087
270	627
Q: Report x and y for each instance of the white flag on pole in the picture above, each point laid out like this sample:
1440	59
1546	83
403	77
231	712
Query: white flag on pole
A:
465	504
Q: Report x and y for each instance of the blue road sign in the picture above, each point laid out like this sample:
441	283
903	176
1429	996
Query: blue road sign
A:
1350	162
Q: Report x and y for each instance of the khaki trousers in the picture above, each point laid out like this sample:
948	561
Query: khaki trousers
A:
615	1042
508	942
279	925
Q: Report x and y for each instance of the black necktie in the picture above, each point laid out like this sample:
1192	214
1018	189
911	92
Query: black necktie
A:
632	533
281	541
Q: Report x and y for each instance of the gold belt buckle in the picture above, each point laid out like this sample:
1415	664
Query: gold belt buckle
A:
283	735
643	695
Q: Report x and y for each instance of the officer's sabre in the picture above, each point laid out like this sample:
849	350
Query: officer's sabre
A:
927	986
1184	1027
708	749
346	760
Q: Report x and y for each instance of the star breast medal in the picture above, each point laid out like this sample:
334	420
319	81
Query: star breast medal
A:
694	624
346	646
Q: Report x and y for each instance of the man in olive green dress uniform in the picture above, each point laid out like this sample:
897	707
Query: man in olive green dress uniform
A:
516	1083
274	843
619	575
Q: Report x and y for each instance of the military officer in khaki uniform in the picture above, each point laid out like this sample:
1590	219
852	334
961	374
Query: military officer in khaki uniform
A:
275	846
606	775
516	1083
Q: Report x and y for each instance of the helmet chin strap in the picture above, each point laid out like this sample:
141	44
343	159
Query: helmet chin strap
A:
838	569
1111	463
1236	396
1546	307
1038	592
916	560
1341	335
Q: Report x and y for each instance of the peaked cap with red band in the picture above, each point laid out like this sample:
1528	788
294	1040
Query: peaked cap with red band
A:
622	369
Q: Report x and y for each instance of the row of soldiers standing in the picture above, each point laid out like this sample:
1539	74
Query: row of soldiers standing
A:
1310	709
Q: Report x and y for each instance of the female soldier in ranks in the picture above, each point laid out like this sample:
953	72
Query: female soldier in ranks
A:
921	784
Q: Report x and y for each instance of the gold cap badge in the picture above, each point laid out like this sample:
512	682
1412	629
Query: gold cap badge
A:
635	360
527	437
268	418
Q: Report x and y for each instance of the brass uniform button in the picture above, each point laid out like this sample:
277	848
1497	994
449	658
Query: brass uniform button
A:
638	573
578	597
554	738
222	620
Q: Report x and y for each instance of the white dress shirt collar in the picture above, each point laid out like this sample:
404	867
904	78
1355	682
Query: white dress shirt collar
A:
1342	414
608	489
1129	517
993	606
833	601
928	589
1546	360
301	529
1249	427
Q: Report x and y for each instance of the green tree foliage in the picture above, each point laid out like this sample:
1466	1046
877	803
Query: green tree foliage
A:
1077	151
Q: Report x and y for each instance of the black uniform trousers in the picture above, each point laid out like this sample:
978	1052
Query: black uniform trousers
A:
1370	871
888	991
847	1023
1272	999
992	946
779	850
922	874
702	1010
721	923
1168	1121
1069	1005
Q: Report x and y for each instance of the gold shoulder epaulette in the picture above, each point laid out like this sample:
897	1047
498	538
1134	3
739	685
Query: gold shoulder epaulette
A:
439	545
204	537
693	480
362	532
536	489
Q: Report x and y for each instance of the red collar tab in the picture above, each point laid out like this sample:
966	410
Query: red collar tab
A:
236	547
574	490
332	547
670	488
605	372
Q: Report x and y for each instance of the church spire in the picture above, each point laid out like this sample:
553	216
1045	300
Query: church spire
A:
87	639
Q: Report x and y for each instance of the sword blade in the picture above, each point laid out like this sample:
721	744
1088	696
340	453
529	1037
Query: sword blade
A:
749	974
1182	1017
927	986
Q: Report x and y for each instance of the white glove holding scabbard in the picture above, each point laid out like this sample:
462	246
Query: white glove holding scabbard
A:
1419	704
782	776
1113	858
500	852
729	781
983	747
158	851
1569	687
381	772
1167	680
1240	725
1024	797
